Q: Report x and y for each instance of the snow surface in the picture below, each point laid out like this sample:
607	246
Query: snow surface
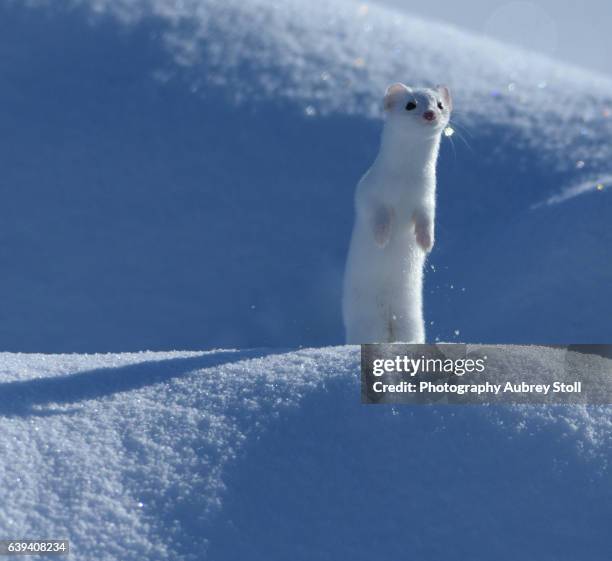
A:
264	454
181	174
338	56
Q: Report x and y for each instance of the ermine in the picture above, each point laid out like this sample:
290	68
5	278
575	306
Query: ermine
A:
394	224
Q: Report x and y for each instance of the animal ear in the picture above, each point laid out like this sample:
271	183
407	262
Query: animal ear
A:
394	94
446	96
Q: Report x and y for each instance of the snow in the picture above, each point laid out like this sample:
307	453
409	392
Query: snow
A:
339	56
179	175
116	450
231	454
592	185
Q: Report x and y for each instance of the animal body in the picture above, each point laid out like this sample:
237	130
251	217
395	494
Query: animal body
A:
394	223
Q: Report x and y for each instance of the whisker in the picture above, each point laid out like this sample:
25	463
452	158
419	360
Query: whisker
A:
456	130
452	142
467	144
461	126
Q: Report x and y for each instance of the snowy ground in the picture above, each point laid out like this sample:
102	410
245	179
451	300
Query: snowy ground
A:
268	455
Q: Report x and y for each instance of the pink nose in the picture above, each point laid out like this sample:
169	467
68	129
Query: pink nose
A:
429	115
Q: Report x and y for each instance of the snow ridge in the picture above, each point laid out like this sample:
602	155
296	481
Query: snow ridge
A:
141	455
338	57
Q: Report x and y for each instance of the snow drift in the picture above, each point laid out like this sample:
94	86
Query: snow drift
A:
269	455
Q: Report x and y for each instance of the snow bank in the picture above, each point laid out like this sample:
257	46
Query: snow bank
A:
269	455
339	56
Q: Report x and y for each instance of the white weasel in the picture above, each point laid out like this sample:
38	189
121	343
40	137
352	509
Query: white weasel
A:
394	224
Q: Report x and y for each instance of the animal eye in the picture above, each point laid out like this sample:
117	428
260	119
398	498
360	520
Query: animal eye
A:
440	106
410	106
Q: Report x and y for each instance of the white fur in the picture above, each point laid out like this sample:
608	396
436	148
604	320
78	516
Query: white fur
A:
394	225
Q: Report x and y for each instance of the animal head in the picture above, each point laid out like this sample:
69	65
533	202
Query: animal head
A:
419	109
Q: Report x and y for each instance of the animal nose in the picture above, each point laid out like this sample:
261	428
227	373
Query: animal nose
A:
429	115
